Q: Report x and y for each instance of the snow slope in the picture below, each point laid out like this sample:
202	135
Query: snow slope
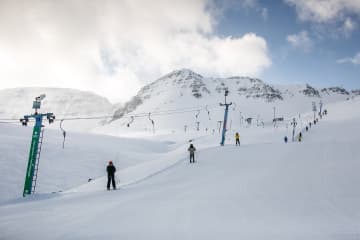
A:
263	190
84	156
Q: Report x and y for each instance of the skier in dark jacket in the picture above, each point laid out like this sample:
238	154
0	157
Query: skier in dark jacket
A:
110	169
192	150
285	139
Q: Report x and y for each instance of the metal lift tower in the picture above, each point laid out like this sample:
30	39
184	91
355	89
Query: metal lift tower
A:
225	117
36	143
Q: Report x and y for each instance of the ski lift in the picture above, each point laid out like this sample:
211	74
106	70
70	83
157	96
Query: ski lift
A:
220	123
131	120
152	122
293	123
208	112
248	120
197	114
50	117
24	121
63	132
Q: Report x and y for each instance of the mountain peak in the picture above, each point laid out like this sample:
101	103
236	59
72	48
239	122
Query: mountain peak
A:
183	73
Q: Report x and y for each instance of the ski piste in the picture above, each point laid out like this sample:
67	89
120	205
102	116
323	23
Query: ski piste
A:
248	183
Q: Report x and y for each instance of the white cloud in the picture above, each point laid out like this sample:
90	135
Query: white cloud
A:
300	40
354	60
348	27
114	47
324	10
336	14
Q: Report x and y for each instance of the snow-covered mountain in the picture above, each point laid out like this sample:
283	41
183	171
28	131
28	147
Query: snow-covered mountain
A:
186	83
63	102
195	98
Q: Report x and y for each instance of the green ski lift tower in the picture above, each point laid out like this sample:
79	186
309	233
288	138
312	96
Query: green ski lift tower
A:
36	143
225	117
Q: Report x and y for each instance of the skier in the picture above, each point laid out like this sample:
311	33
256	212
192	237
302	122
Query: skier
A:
310	124
300	137
285	139
307	128
237	137
192	150
110	169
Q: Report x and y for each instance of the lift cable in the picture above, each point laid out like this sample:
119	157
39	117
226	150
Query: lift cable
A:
153	113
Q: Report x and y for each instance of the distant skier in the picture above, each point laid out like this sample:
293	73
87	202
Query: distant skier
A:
192	150
237	138
110	169
307	128
310	124
285	139
300	137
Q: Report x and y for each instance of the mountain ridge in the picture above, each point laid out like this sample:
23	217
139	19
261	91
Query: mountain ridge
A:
253	88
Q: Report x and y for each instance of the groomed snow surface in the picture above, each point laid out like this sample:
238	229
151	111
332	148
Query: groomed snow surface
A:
265	189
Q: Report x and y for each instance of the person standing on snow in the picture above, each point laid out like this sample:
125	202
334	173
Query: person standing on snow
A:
192	150
285	139
300	137
237	137
110	169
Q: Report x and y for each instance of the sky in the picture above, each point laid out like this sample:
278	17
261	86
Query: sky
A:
114	47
